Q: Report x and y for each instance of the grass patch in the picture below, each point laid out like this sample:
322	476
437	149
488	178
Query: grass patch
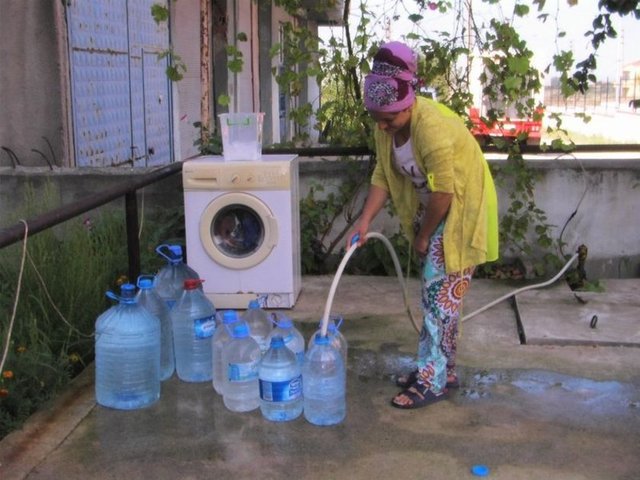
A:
67	271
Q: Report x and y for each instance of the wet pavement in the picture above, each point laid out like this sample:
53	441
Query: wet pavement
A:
524	411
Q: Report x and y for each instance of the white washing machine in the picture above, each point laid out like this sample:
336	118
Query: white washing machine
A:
242	224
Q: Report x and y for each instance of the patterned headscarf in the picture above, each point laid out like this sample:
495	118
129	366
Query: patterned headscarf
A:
390	85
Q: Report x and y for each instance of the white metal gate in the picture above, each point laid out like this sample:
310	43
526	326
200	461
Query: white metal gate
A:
120	94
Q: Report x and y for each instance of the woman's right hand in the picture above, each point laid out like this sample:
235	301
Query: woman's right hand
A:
358	233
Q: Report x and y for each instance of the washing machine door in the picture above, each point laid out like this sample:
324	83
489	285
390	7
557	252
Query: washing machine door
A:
238	231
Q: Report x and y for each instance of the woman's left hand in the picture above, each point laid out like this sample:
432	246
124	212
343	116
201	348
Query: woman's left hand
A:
421	245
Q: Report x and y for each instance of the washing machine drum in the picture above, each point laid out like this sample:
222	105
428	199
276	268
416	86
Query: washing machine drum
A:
238	231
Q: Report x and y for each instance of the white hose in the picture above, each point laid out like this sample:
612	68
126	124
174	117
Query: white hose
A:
396	264
520	290
343	263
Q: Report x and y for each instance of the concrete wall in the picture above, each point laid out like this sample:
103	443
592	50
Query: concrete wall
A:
33	82
605	193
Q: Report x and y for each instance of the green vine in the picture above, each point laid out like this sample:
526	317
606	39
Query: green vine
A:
511	86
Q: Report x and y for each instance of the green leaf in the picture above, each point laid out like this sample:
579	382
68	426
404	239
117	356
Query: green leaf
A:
174	74
159	13
224	100
521	10
519	65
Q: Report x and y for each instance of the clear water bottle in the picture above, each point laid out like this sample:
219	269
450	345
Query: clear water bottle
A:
280	380
292	337
149	299
242	356
127	348
336	338
259	324
170	279
221	338
194	322
325	383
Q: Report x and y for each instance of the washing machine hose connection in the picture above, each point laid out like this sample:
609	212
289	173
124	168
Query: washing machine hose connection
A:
396	263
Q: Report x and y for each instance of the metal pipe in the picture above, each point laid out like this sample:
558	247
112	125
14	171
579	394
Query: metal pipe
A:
133	242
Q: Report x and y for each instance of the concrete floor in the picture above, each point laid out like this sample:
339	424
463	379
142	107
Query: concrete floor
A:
525	411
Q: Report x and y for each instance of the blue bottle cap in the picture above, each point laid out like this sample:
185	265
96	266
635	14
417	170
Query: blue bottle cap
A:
480	470
127	290
284	322
320	340
145	283
241	330
254	304
229	316
277	341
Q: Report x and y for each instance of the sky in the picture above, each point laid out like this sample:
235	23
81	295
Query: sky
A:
542	38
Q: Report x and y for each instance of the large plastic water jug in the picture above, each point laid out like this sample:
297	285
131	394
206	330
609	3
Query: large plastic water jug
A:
193	320
242	356
221	337
292	337
259	323
170	278
325	384
127	349
280	379
336	338
149	299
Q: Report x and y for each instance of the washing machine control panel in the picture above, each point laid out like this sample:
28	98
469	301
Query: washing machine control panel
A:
255	175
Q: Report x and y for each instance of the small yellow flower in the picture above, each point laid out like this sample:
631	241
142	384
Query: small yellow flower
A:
74	358
21	349
4	392
7	374
122	279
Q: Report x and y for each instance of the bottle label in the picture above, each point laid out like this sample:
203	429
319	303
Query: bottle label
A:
300	357
170	304
242	372
204	327
281	391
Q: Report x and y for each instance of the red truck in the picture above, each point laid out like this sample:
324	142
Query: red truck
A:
506	128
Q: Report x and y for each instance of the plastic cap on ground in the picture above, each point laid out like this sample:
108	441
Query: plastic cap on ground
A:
480	470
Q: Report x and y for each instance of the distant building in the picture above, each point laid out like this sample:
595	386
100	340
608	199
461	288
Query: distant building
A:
630	82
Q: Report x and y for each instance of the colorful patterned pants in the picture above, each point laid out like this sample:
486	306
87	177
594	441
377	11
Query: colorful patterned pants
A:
442	295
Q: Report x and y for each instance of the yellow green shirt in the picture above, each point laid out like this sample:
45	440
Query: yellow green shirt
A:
452	162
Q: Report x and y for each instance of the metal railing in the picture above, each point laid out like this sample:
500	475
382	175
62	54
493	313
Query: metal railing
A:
13	234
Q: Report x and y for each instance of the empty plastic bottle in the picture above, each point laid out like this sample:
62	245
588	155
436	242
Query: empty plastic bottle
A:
127	349
260	325
221	337
149	299
336	338
193	320
170	278
240	391
293	339
280	379
325	383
